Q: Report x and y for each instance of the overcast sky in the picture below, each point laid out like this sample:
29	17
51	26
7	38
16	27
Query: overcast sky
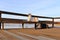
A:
49	8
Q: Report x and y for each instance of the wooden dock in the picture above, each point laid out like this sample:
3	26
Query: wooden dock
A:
30	34
8	20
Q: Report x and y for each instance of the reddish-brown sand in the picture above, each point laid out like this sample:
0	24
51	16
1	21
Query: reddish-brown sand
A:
51	32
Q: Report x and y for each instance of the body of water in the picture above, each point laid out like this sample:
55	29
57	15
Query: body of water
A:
17	25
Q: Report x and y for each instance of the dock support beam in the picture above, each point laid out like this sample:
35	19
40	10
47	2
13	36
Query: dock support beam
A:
35	26
2	25
52	22
0	20
23	25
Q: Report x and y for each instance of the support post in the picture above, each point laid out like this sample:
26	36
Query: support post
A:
2	25
35	26
23	25
0	20
52	22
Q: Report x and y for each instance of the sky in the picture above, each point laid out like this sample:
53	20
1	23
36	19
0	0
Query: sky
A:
50	8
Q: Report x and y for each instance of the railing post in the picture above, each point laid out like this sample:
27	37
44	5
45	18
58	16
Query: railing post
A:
0	20
52	22
35	26
2	25
23	25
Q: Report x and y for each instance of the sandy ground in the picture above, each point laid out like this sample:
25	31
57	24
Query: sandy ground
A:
49	33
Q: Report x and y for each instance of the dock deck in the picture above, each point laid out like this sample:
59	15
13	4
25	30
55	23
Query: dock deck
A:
30	34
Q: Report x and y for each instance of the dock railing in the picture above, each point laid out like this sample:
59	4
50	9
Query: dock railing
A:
5	20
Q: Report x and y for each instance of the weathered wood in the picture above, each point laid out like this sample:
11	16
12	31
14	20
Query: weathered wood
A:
57	18
23	25
9	20
2	25
0	20
20	14
35	26
52	22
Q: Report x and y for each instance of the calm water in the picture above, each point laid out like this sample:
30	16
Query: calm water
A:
11	25
16	25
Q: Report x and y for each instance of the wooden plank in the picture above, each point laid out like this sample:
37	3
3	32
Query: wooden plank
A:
2	25
20	14
9	20
57	18
52	22
35	26
0	20
13	13
23	25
